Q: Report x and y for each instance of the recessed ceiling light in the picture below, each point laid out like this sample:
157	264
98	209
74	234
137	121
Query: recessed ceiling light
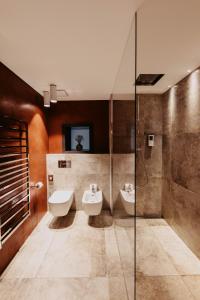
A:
169	86
189	71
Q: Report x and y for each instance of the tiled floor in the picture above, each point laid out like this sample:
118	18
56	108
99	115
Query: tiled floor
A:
74	258
166	268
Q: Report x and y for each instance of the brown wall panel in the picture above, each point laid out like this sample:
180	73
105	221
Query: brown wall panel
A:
181	159
95	113
18	100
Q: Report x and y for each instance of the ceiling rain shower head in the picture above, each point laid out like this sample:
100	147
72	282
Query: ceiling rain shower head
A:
148	79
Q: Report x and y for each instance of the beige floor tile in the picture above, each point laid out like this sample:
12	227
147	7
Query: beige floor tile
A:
28	260
141	222
151	259
162	288
156	222
113	262
102	221
79	252
117	289
125	250
81	218
77	258
130	281
131	236
193	284
124	222
184	260
55	289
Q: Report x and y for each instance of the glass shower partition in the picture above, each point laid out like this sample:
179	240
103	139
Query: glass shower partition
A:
122	147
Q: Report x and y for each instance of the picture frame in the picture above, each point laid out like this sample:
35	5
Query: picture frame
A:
77	138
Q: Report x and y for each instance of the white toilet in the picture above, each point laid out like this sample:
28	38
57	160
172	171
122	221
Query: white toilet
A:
92	201
128	198
60	203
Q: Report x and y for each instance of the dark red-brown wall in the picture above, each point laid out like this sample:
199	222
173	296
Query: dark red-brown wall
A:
18	100
95	113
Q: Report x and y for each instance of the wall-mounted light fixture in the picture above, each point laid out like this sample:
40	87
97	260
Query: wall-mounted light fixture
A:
54	95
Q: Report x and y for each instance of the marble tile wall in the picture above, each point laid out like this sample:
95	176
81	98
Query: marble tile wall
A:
181	159
149	160
85	169
123	126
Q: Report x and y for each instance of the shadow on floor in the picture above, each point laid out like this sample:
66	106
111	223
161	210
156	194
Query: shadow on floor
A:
123	220
101	221
62	222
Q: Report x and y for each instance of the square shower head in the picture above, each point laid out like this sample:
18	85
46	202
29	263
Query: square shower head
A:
148	79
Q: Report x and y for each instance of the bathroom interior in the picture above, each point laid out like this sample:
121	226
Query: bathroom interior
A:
99	145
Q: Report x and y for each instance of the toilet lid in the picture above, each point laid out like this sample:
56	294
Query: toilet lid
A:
60	196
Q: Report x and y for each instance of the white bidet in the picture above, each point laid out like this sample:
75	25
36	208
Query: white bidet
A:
92	202
128	200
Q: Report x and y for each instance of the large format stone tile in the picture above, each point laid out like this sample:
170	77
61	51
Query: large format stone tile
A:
125	241
113	262
117	289
151	259
28	260
181	126
152	197
184	260
193	284
99	288
79	252
130	286
156	222
53	289
162	288
185	164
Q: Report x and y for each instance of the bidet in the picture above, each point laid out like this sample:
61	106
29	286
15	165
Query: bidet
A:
92	201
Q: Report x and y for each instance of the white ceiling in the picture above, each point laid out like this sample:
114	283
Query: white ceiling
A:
168	40
87	47
75	44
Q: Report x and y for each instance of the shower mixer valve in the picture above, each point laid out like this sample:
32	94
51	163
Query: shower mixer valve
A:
151	140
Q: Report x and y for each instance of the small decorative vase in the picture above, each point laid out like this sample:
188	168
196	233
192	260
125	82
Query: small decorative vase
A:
79	147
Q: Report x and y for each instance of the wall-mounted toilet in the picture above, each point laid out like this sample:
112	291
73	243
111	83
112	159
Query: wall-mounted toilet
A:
60	203
92	201
128	198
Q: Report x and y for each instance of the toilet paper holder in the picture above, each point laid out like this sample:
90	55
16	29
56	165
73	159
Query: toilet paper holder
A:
38	185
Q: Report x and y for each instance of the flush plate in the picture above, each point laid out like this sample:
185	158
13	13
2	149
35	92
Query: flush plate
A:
64	164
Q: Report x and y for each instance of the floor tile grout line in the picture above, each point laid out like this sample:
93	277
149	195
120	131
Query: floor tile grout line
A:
125	284
45	254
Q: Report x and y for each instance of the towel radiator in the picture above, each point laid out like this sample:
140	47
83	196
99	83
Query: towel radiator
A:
14	176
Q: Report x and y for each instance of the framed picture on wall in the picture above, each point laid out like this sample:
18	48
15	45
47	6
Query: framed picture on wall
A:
77	138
